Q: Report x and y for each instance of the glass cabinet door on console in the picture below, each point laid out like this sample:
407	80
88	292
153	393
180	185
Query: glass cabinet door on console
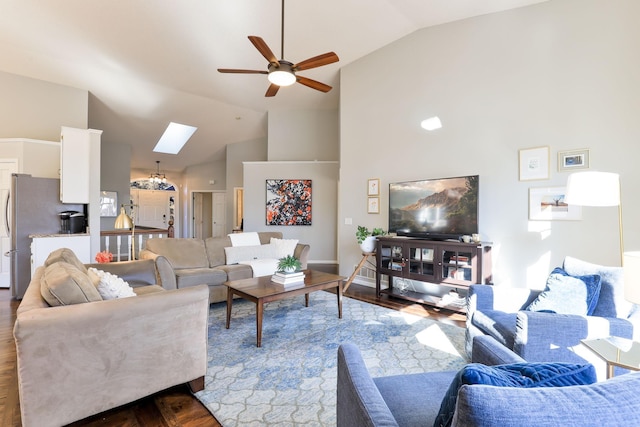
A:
391	258
420	262
458	265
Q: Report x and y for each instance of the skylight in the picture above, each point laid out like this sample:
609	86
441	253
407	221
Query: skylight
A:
174	138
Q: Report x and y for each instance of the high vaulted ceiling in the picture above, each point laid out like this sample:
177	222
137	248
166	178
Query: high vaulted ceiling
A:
148	62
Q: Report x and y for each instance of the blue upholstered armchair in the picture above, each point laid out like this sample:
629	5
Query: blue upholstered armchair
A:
550	337
415	399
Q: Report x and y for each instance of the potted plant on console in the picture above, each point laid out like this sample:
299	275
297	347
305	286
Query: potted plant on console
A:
367	239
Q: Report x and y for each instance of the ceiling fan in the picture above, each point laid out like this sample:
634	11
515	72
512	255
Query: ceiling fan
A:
283	73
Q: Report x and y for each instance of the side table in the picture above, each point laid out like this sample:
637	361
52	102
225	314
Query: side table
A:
365	257
616	351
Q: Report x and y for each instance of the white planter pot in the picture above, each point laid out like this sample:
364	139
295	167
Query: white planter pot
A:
369	244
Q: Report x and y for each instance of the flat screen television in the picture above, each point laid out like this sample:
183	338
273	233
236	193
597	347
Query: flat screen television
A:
438	209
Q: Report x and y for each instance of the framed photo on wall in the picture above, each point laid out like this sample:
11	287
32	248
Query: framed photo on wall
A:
108	203
534	163
573	159
547	204
373	205
373	187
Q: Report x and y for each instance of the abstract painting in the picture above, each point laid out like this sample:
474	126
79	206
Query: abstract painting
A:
288	202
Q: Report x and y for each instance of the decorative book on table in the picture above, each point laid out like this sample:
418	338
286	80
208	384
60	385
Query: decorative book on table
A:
295	278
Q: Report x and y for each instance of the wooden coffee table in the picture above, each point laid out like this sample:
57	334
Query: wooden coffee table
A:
261	290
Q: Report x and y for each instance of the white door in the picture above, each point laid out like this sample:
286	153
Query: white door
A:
198	216
153	208
7	167
219	214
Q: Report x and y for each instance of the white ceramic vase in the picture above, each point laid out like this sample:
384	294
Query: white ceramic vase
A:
369	244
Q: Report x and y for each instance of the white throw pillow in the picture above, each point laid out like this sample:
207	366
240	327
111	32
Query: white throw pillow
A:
245	239
284	247
109	285
236	254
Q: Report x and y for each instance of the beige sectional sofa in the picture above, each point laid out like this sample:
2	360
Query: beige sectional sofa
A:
85	355
208	261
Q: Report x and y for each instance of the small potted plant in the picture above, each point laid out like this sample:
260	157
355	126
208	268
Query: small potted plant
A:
367	239
289	264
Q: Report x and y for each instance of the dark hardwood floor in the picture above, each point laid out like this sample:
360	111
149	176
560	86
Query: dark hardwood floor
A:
173	407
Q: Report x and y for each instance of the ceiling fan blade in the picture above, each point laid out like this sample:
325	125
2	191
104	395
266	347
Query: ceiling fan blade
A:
317	61
313	84
264	50
272	90
233	70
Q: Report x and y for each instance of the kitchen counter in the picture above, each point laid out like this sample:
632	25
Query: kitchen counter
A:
38	236
43	244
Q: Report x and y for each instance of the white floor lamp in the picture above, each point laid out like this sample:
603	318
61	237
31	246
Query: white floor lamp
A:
597	189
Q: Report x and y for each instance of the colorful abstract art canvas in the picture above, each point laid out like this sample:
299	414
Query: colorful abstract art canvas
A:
288	202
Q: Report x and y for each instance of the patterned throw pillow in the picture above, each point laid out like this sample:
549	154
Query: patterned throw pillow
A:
109	285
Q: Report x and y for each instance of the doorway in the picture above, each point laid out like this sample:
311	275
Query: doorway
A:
209	214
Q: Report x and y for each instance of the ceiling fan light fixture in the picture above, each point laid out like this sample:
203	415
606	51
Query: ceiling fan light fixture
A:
282	75
282	78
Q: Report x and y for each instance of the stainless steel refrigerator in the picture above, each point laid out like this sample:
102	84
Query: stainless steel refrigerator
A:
33	207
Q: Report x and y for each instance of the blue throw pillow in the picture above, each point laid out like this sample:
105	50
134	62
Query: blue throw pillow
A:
566	294
611	301
523	375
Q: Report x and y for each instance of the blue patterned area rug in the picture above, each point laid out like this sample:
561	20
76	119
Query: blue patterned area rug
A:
291	379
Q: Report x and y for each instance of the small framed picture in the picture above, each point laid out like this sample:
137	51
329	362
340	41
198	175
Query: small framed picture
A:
534	163
108	203
373	187
373	205
573	159
547	204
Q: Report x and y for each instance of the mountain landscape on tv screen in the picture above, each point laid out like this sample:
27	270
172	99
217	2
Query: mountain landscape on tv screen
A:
451	210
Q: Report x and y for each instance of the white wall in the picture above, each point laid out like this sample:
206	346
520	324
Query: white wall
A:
115	176
321	233
36	109
253	150
562	74
35	157
303	135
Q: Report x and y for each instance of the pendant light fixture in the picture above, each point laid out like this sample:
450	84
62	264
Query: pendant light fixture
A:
157	177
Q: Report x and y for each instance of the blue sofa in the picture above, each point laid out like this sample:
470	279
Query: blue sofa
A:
414	400
551	337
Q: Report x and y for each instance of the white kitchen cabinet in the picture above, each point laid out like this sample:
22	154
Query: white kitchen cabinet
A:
80	174
42	246
79	148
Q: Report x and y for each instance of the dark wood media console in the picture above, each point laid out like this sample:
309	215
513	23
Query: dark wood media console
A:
436	273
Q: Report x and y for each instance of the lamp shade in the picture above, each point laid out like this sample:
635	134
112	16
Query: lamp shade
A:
632	277
123	220
593	189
